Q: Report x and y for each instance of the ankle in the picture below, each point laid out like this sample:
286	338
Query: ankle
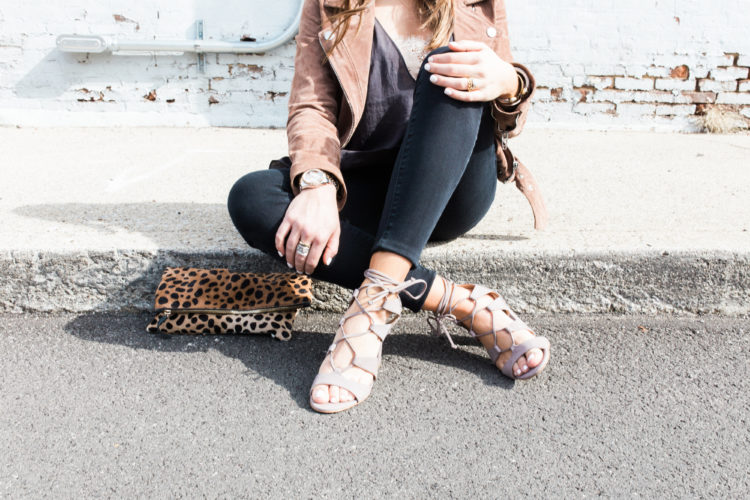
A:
391	264
434	295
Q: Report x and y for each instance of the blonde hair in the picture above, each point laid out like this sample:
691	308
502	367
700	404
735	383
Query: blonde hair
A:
437	15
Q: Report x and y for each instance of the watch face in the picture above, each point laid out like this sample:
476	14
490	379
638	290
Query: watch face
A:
313	177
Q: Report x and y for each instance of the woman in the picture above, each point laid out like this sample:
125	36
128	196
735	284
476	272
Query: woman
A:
399	113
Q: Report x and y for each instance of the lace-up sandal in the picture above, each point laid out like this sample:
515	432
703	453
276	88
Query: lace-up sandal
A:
498	305
379	288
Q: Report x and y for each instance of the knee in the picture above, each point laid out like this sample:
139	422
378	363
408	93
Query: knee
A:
250	204
241	195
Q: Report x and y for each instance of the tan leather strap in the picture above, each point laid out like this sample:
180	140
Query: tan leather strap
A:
528	186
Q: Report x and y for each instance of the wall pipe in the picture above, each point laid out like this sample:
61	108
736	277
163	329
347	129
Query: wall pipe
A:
100	43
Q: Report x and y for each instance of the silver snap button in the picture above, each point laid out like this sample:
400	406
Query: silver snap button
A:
491	32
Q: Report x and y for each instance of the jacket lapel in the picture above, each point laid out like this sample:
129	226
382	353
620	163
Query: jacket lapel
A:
351	58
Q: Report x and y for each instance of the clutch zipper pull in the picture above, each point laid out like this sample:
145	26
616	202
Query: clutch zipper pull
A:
163	317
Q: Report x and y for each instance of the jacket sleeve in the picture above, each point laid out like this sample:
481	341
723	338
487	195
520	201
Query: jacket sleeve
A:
512	119
314	100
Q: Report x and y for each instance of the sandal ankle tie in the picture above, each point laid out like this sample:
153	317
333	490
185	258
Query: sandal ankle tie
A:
381	279
443	312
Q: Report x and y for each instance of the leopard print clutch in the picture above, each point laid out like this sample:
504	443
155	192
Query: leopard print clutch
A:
190	300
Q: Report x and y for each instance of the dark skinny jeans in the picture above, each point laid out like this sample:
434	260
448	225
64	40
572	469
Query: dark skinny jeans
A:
441	185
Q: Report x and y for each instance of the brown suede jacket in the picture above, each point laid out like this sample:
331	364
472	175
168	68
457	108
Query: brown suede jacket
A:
327	100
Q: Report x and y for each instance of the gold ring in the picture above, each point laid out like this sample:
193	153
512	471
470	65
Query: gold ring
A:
469	84
303	248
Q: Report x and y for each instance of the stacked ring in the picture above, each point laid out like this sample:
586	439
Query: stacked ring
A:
303	248
469	84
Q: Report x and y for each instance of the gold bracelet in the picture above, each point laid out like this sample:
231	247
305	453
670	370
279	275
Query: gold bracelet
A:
519	93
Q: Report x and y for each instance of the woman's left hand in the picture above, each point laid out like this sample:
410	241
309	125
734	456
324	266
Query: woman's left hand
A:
493	77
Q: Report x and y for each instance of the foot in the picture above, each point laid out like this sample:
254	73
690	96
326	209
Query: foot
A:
368	345
483	324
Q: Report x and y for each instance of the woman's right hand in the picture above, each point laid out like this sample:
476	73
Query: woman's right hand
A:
313	218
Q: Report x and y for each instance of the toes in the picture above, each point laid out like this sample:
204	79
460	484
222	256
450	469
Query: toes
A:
345	395
517	371
320	394
523	364
334	391
534	357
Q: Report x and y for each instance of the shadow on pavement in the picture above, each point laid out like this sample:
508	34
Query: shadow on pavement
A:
291	365
132	276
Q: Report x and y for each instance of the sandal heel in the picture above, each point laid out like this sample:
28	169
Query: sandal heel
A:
445	310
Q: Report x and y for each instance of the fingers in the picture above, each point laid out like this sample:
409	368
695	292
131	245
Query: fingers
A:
467	45
454	69
462	95
318	249
462	55
281	235
461	83
312	259
291	246
307	222
299	259
332	247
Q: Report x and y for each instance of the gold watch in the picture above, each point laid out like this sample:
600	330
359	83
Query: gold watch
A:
315	177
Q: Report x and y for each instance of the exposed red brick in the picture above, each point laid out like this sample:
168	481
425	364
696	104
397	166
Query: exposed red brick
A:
91	99
585	91
556	93
213	100
700	97
151	96
682	72
122	19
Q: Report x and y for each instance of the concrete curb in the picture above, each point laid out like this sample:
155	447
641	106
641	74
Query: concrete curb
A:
543	282
639	222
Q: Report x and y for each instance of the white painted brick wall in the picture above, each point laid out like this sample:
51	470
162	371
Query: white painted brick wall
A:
642	64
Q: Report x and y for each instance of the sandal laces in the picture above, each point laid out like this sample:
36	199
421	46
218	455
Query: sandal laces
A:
444	312
380	279
387	286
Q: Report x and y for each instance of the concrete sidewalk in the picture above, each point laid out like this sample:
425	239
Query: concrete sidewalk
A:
640	222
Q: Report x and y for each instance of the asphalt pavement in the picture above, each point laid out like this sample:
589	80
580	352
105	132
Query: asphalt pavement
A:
630	406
